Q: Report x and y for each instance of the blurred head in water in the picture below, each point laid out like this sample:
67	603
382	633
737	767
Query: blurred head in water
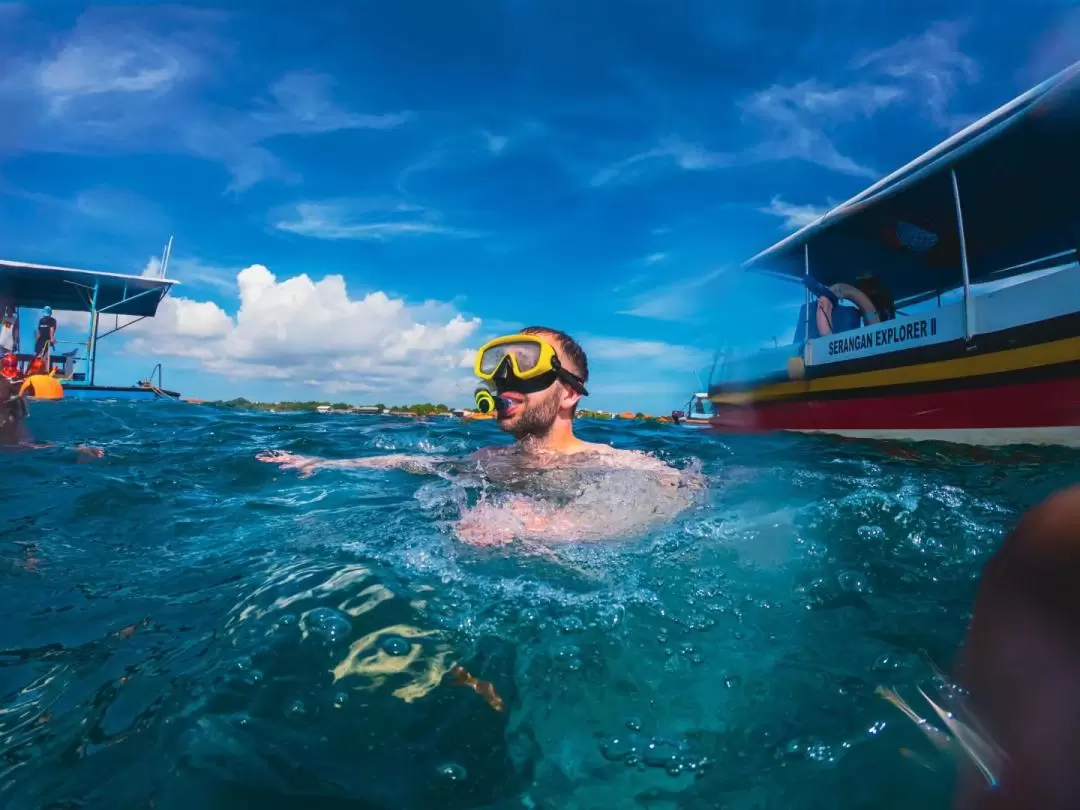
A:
1021	662
536	413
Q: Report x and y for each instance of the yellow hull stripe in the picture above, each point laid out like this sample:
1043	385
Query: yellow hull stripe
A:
1043	354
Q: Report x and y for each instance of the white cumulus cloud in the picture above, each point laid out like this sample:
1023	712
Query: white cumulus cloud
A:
298	330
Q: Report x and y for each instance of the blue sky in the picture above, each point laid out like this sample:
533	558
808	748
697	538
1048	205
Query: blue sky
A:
360	193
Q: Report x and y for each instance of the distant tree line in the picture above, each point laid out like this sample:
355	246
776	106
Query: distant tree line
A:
420	409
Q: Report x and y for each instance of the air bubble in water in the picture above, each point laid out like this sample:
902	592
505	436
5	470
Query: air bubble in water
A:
396	646
820	752
659	753
610	617
326	623
615	749
451	772
871	532
633	723
295	709
568	658
852	582
340	699
571	624
887	663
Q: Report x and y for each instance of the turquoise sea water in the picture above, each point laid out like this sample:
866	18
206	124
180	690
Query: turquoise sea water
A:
187	627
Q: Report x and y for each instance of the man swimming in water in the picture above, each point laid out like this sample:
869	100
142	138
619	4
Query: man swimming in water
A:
538	376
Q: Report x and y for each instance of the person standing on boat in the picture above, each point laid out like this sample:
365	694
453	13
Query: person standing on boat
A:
46	335
7	333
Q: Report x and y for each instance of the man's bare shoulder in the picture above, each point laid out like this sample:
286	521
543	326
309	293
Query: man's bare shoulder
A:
628	459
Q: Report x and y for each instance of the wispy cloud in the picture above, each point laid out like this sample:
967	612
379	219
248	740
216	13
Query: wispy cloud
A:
113	60
687	156
655	258
133	83
468	148
795	119
672	357
1056	49
495	143
303	102
931	67
362	219
799	121
794	216
196	273
674	302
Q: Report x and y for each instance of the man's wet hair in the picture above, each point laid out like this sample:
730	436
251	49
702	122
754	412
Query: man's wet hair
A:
571	348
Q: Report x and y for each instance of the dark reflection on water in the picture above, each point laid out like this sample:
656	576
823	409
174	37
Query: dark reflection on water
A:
186	627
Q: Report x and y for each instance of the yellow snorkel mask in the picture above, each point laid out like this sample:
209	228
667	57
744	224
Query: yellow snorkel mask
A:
523	363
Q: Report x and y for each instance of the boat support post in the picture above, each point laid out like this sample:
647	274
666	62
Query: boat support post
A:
806	309
969	308
91	341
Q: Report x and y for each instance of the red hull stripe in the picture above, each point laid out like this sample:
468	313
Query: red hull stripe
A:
1045	403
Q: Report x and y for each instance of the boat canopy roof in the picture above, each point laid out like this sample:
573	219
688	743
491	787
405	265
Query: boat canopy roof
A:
1018	174
65	288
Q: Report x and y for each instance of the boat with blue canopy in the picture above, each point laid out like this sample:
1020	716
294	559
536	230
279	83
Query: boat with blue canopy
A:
112	303
942	302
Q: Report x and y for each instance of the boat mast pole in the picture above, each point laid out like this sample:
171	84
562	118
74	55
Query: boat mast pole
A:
969	312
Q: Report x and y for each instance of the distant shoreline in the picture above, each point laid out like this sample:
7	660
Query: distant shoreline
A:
419	410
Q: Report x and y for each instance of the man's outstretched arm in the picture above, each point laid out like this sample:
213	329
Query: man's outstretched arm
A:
307	465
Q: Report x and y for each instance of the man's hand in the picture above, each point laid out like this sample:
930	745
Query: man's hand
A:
305	465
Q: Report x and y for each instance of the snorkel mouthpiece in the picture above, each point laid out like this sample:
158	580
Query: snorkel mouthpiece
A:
486	402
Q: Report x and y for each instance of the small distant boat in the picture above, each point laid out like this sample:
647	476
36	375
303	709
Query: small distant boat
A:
698	412
322	408
994	207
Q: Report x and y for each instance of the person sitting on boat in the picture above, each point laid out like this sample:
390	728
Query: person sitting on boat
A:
45	341
40	384
879	296
537	377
